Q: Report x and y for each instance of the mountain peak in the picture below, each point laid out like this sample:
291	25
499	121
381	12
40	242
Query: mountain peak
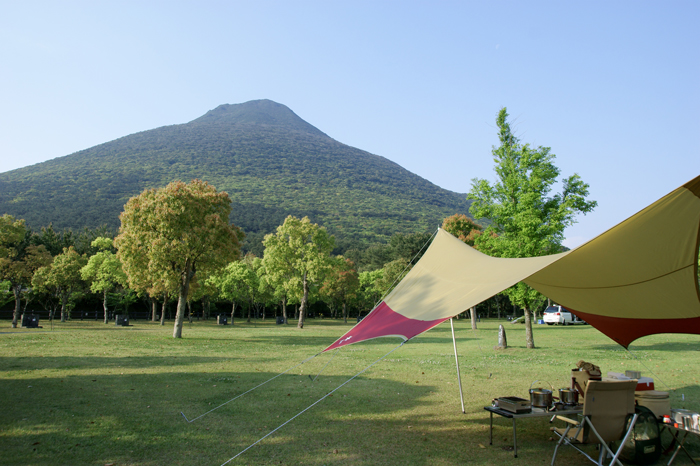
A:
257	112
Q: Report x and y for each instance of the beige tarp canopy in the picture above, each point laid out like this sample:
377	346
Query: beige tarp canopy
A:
636	279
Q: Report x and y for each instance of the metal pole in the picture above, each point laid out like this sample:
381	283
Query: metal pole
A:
459	377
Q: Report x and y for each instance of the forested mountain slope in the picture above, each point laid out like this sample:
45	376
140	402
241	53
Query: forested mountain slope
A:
271	162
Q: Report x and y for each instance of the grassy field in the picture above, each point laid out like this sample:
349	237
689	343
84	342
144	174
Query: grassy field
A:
93	394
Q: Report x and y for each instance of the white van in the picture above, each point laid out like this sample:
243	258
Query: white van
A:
559	315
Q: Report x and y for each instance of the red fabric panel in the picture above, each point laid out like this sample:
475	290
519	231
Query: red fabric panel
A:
384	322
625	331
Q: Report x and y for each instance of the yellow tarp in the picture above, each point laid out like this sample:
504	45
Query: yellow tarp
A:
636	279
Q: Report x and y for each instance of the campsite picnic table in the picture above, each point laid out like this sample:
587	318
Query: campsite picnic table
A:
536	412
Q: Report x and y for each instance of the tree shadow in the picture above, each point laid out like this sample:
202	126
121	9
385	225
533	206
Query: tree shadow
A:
135	418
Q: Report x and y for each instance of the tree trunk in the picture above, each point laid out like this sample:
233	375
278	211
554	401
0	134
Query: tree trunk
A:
284	309
182	302
189	310
345	312
233	311
162	311
472	313
64	303
304	302
104	305
529	337
206	308
154	309
16	290
250	313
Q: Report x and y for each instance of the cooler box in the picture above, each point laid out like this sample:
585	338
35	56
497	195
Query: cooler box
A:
645	383
657	401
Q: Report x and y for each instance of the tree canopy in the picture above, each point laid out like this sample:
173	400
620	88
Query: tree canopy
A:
167	235
19	259
103	271
61	278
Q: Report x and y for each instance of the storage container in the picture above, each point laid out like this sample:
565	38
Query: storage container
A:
645	383
657	401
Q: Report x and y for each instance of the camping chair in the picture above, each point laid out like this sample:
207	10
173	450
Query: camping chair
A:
606	407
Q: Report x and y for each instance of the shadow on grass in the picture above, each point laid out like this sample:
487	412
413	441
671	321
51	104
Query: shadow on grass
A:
635	348
669	346
99	362
135	419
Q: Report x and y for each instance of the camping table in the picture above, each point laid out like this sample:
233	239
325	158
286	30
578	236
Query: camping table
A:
536	412
679	435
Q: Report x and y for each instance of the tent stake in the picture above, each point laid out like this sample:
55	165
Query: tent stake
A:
459	377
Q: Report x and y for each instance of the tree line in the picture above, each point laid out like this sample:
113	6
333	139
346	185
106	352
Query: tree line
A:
174	243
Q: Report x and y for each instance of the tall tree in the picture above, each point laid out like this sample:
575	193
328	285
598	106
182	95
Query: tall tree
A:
296	256
172	233
19	259
235	283
341	284
103	271
369	292
526	220
62	277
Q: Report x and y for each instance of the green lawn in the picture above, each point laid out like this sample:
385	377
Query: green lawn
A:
95	394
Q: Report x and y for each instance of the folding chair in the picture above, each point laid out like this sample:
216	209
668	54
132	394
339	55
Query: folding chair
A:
606	407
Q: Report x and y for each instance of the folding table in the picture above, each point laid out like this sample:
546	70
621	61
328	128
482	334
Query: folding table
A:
679	434
536	412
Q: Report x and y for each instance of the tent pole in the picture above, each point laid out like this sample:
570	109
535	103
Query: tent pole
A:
459	377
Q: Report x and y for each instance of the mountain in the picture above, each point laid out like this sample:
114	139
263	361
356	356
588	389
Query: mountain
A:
271	162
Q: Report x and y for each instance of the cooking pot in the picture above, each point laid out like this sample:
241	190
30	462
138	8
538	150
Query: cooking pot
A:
568	396
540	397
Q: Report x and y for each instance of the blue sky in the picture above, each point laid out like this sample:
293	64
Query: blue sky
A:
612	87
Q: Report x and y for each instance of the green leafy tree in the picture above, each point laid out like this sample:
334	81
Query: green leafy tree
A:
392	273
296	256
526	219
234	283
11	233
341	284
369	292
61	278
263	293
169	235
5	293
54	241
19	259
204	292
44	291
103	271
409	246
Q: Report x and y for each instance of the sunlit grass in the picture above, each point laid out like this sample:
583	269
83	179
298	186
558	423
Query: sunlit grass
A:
95	394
